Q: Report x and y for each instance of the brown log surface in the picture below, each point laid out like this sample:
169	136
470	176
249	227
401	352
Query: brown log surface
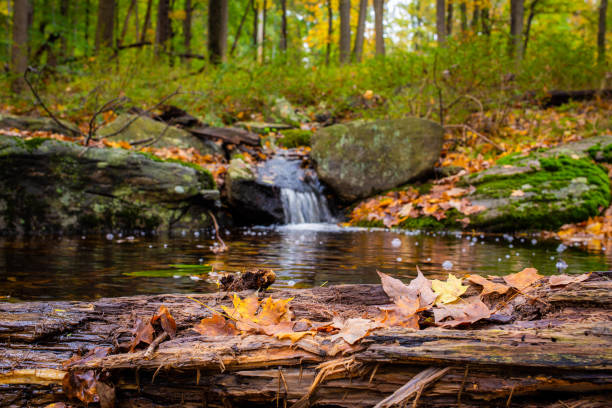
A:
556	348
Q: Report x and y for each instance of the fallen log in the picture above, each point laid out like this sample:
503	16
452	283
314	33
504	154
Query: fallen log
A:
555	352
228	135
558	97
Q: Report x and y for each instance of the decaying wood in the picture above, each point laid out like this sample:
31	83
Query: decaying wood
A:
555	353
228	135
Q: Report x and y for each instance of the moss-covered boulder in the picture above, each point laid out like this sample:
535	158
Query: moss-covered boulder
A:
541	191
359	159
251	198
37	123
51	186
143	128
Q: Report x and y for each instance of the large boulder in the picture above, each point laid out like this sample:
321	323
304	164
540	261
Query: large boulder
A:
359	159
543	190
33	124
253	199
132	129
52	186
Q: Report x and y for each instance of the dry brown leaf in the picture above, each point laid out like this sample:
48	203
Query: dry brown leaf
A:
487	285
523	279
81	386
166	320
394	288
562	280
422	286
353	330
403	314
143	333
470	310
216	325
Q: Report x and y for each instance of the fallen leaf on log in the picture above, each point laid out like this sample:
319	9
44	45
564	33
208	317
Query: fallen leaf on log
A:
562	280
488	286
403	314
81	386
470	310
245	312
216	325
420	288
448	291
166	320
523	279
96	352
355	329
143	333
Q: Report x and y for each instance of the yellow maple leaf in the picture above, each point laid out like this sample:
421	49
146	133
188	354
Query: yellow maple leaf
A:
448	291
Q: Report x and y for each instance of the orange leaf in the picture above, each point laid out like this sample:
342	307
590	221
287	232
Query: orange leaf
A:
487	285
523	279
562	280
216	325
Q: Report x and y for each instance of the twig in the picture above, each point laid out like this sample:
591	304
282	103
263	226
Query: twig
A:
222	247
416	384
480	135
467	367
156	138
51	115
110	105
151	349
510	396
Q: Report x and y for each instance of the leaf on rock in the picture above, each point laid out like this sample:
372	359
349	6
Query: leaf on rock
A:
523	279
449	291
216	325
166	320
562	280
468	311
353	330
488	286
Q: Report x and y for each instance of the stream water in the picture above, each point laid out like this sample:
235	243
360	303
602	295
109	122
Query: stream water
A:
303	255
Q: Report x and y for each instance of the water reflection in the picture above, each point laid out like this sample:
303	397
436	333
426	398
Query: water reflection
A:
303	256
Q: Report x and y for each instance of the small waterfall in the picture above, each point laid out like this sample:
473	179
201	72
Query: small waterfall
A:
301	192
304	207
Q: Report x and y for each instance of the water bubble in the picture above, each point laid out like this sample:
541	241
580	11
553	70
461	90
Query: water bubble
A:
428	259
498	259
183	232
399	259
150	246
507	256
561	248
416	244
165	245
561	265
552	258
447	265
396	243
517	254
195	278
196	234
462	249
110	236
496	239
176	276
291	283
510	246
201	260
534	241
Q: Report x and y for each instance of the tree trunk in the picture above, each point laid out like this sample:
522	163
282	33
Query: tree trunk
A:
601	32
261	27
463	15
360	35
517	12
486	21
379	9
106	22
65	21
475	18
162	31
440	22
19	51
217	30
449	18
147	22
126	21
283	33
187	27
330	28
532	13
345	30
239	30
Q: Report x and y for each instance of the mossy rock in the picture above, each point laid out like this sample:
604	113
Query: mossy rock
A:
541	191
49	186
359	159
143	128
294	138
37	124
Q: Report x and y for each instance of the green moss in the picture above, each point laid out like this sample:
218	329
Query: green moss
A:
295	137
509	159
150	156
204	176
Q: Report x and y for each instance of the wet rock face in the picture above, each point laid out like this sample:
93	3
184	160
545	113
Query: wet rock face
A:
541	191
253	201
360	159
52	186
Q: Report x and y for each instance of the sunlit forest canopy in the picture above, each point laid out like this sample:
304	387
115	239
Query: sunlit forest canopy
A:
293	48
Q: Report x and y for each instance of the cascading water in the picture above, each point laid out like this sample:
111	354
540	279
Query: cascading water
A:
301	192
